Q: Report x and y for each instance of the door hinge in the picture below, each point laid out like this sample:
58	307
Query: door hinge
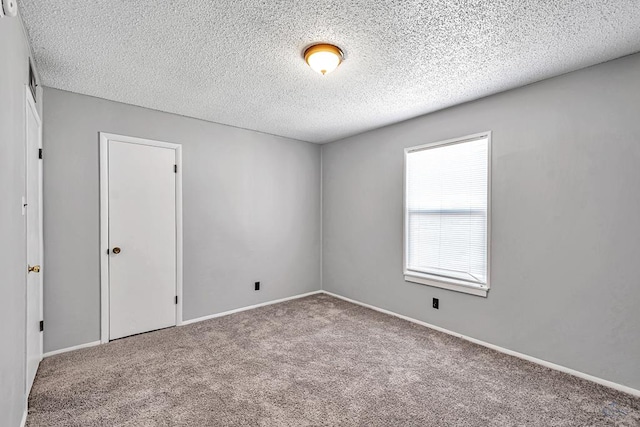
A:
41	325
176	299
175	168
39	153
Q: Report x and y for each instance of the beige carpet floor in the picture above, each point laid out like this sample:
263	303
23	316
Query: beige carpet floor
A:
316	361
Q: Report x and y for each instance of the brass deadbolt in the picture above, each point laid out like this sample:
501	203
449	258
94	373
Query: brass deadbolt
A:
116	250
34	269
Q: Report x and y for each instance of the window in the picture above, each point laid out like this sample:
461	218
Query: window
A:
447	193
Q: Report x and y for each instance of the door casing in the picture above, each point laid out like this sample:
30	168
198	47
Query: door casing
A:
104	224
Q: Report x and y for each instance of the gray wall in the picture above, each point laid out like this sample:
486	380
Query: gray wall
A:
251	212
566	220
14	76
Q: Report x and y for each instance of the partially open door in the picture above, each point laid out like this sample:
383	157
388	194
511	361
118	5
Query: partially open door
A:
33	210
142	251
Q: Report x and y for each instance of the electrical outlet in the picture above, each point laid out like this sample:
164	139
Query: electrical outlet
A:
256	286
436	303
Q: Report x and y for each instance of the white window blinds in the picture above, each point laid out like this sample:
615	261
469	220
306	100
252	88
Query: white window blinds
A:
447	210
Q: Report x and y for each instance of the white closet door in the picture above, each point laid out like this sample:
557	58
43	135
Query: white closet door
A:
34	242
142	238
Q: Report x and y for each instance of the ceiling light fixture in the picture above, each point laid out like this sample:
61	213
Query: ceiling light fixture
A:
323	58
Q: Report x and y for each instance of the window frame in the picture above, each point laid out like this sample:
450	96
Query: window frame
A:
442	281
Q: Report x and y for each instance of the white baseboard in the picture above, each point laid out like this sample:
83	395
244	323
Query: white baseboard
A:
532	359
75	347
188	322
250	307
23	422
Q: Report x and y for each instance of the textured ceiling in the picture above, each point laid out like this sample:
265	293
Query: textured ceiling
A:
238	62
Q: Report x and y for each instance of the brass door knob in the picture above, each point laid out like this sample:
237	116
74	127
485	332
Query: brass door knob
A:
116	250
34	269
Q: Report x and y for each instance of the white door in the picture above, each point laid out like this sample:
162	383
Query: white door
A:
33	205
142	238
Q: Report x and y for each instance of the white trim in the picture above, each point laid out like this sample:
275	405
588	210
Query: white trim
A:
188	322
179	231
104	239
75	347
451	284
104	224
446	282
250	307
606	383
41	237
23	421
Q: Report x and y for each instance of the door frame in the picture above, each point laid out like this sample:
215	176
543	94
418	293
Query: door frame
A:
30	106
104	223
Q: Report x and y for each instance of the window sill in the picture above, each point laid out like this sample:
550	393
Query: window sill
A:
451	284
